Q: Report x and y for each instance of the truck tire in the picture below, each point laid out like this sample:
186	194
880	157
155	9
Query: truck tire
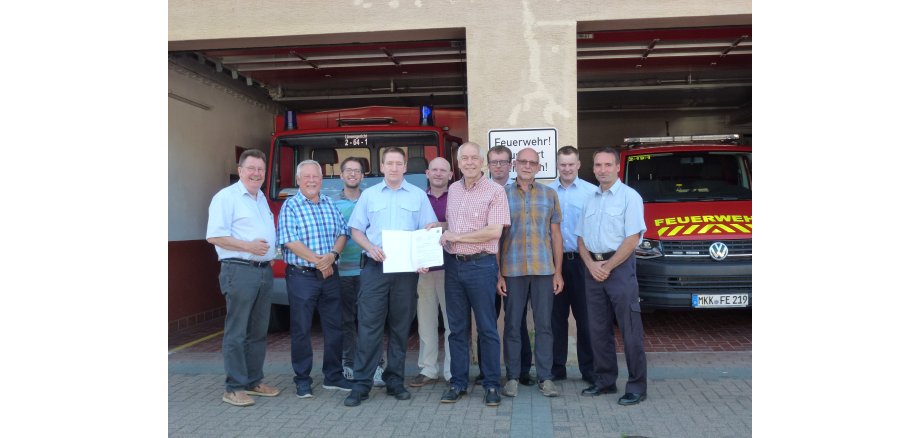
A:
279	319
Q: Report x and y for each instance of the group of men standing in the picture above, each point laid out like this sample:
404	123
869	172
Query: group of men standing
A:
566	245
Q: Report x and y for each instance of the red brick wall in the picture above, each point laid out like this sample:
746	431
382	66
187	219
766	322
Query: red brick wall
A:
194	291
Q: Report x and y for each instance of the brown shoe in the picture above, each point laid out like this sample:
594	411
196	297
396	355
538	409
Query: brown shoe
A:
421	380
263	390
238	398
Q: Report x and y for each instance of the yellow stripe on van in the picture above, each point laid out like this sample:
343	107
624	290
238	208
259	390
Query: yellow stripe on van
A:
690	230
676	230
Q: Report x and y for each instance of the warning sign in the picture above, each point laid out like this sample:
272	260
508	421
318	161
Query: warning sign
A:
542	140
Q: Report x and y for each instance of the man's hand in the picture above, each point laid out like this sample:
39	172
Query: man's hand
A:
327	272
377	254
448	236
434	225
258	246
501	289
558	283
325	261
598	272
422	270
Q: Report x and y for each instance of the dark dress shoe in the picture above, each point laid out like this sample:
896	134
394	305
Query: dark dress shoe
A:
557	378
492	398
400	392
631	398
354	398
593	390
452	395
526	380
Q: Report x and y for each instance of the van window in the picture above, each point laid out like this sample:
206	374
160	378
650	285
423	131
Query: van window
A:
690	176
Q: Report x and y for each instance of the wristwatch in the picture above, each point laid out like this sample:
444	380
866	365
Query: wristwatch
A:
336	254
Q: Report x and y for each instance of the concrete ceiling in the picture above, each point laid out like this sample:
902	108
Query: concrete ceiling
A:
680	69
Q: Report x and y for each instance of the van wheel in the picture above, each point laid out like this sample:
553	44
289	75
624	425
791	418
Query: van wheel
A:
279	319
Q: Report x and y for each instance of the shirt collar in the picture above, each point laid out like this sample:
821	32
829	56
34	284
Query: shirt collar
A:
301	198
613	189
241	190
482	175
428	191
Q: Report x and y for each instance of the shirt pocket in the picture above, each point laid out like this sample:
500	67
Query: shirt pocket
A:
409	213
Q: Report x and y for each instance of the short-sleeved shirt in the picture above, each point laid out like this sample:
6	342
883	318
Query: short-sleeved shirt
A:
350	259
527	245
439	204
315	224
611	216
235	213
472	209
382	208
572	199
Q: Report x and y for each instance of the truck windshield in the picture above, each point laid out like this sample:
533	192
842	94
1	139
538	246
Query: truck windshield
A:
330	149
690	176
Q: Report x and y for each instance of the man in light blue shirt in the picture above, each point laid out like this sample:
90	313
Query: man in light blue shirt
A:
242	230
573	192
610	229
393	204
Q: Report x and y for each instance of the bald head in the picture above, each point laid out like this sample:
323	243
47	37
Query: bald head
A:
438	174
438	163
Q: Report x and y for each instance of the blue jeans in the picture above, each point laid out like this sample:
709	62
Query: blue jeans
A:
247	291
471	285
307	293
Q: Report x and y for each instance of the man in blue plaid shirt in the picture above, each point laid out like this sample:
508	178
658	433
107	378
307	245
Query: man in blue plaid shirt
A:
313	234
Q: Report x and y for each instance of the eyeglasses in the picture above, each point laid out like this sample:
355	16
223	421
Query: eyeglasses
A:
499	163
354	171
520	162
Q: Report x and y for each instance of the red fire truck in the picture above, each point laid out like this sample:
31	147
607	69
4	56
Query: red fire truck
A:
329	137
697	251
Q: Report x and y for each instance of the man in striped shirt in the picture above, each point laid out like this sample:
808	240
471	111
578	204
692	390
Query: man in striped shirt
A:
313	233
531	268
477	211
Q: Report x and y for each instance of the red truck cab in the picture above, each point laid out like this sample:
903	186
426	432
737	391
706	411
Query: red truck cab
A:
329	137
697	251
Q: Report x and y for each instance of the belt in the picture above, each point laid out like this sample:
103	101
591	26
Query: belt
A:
470	257
601	257
303	268
257	264
570	255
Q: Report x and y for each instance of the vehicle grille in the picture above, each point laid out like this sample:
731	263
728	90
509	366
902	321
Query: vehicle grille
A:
696	284
701	247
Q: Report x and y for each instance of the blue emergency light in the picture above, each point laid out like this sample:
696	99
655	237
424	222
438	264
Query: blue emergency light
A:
426	116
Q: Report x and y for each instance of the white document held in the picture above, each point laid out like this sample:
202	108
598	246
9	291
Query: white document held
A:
407	251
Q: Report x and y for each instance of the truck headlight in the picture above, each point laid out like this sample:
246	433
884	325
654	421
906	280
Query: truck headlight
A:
648	249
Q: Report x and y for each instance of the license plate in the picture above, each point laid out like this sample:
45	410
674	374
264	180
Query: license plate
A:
729	300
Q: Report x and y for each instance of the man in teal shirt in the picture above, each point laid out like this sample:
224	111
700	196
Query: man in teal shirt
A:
349	267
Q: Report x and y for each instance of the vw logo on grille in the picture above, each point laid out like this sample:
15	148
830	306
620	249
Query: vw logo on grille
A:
718	251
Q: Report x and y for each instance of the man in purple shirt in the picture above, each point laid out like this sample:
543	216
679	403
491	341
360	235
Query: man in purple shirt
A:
431	289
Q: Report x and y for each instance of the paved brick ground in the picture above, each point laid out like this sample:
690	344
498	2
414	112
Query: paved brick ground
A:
695	394
699	386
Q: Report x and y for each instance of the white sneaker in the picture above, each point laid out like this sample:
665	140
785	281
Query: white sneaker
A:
349	373
378	378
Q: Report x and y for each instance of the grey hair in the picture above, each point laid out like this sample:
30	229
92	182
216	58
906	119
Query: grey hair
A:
306	162
478	149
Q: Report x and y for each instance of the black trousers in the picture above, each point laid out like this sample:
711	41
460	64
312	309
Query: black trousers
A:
616	300
382	298
572	297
